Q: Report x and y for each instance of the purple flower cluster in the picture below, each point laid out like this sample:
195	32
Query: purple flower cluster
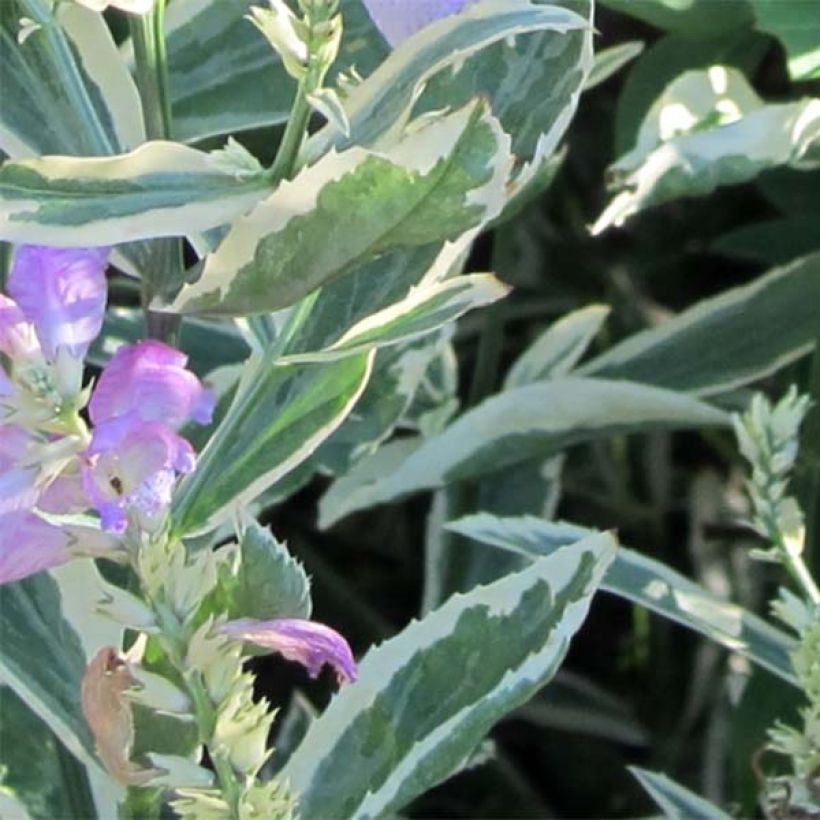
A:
399	19
126	467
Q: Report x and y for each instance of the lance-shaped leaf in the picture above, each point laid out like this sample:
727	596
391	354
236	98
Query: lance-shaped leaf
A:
423	311
797	26
707	129
536	420
726	341
280	415
441	180
676	801
94	108
160	189
381	105
650	584
224	76
404	727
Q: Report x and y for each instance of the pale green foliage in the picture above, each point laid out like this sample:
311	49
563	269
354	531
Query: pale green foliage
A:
675	801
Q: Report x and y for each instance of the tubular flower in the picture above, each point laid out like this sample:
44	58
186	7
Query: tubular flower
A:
399	19
28	544
18	490
306	642
135	455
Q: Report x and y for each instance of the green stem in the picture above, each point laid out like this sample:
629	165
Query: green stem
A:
288	153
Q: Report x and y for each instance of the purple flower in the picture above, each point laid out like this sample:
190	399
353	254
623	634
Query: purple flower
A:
148	382
62	293
306	642
17	337
18	490
131	468
399	19
28	544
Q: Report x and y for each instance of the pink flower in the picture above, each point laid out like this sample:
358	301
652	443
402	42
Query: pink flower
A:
28	544
148	382
306	642
132	468
62	293
399	19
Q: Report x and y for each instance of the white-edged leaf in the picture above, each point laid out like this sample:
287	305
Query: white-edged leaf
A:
650	584
708	128
726	341
536	420
403	726
65	90
277	420
676	801
559	348
424	310
440	181
160	189
382	103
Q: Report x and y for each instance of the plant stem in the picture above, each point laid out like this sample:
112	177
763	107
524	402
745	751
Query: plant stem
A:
148	36
295	130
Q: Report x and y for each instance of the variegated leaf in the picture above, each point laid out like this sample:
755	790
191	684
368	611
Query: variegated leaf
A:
424	310
648	583
278	418
65	89
726	341
160	189
540	419
440	181
507	640
708	128
381	105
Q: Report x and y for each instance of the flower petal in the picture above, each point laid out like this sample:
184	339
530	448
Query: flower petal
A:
307	642
62	292
28	545
17	337
399	19
149	381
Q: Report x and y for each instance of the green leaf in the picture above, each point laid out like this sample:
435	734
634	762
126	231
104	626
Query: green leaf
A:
708	128
380	106
795	24
558	349
280	415
33	764
648	583
403	726
65	90
442	179
260	579
537	420
224	77
726	341
160	189
610	61
424	310
695	18
676	802
773	242
670	57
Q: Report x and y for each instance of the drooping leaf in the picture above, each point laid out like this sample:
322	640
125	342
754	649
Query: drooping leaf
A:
537	420
726	341
708	128
277	420
611	60
403	726
437	183
648	583
695	18
773	242
795	24
676	801
160	189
